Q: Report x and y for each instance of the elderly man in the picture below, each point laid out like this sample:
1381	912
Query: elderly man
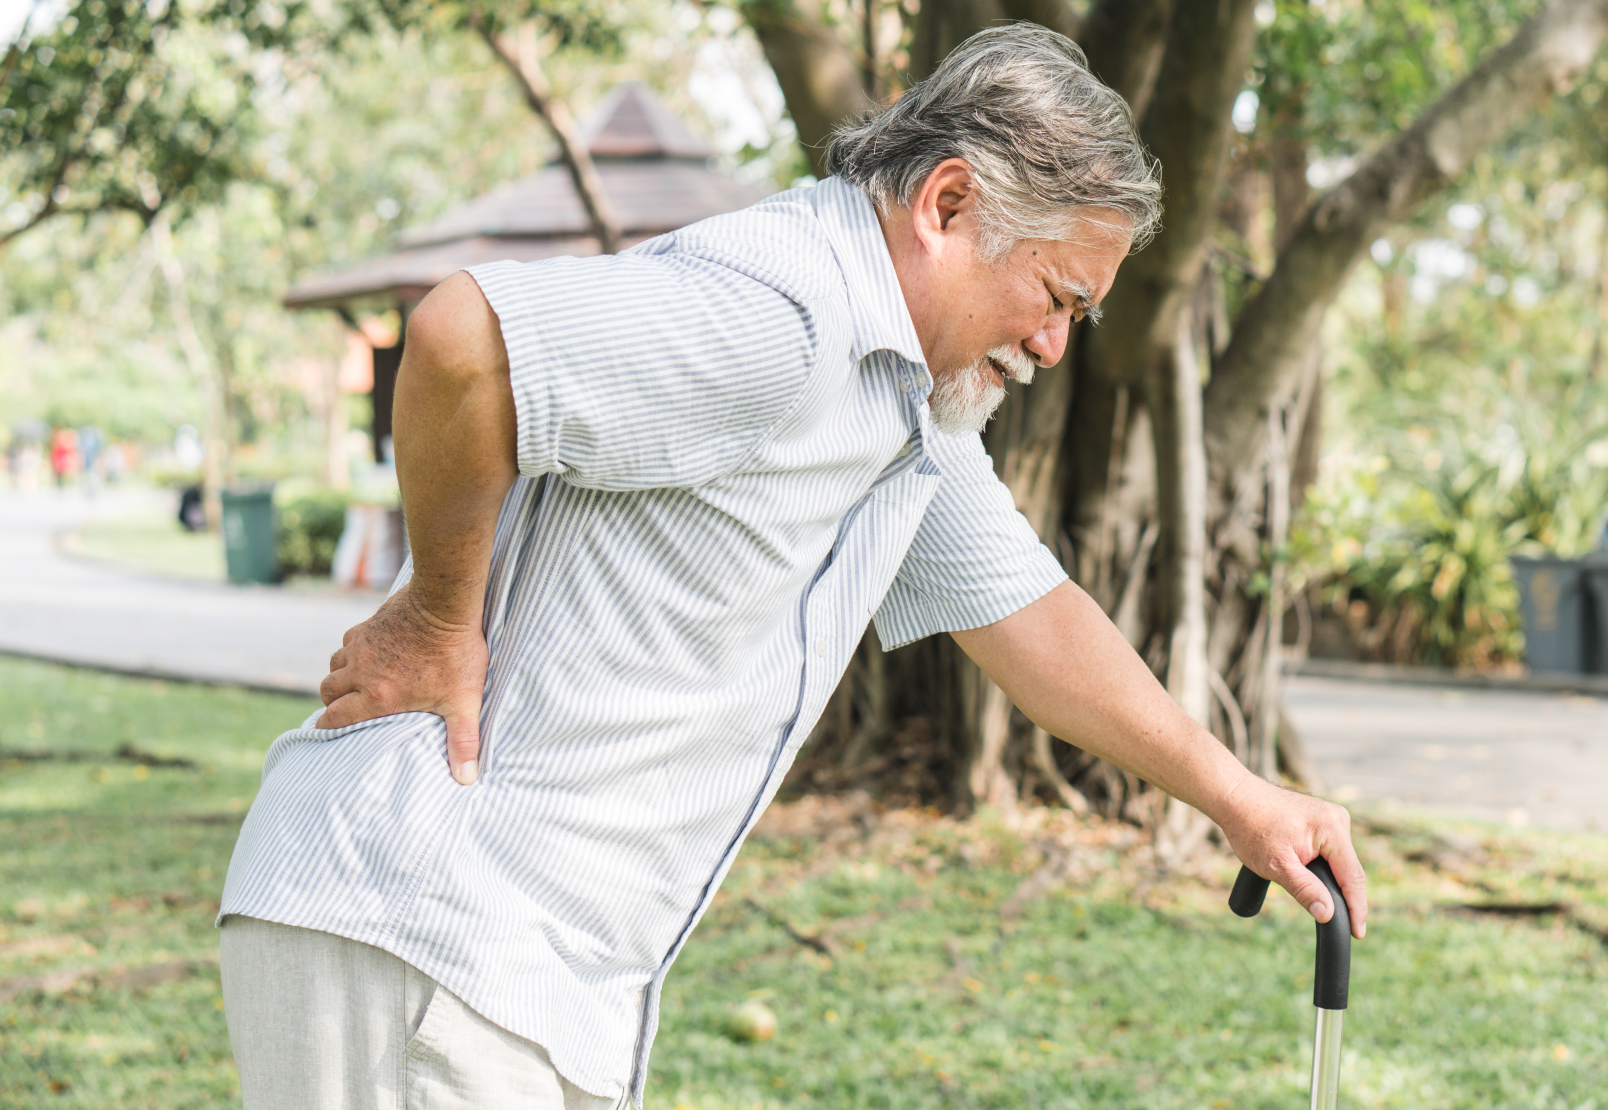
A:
654	500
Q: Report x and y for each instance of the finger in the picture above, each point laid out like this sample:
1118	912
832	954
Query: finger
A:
463	746
336	685
338	660
1306	888
346	637
345	710
1353	882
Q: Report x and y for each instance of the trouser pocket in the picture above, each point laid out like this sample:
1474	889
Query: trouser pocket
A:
457	1060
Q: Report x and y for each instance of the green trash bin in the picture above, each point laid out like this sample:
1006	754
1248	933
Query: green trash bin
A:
250	534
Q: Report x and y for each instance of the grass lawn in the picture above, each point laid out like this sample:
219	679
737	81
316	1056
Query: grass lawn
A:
153	541
912	961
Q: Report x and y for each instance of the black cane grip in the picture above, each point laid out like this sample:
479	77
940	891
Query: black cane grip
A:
1331	975
1250	891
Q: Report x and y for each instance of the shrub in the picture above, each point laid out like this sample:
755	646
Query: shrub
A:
1413	545
310	525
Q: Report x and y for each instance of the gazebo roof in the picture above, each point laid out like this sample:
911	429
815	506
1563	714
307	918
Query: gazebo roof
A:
655	173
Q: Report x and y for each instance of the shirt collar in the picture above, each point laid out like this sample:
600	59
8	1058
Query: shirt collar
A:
876	302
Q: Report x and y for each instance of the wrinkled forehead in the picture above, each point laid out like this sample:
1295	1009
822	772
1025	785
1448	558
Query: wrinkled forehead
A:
1083	266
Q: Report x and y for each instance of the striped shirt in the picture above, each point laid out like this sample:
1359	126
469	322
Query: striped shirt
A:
727	469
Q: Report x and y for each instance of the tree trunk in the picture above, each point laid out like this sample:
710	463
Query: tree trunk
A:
217	462
942	25
820	79
1124	40
1166	499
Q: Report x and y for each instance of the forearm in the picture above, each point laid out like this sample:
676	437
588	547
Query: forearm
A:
455	443
1064	664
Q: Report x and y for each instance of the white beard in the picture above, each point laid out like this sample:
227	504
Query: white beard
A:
963	400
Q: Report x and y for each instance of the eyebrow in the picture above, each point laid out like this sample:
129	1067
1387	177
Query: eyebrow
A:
1081	292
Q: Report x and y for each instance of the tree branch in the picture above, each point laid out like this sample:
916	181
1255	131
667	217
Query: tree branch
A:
533	84
1264	358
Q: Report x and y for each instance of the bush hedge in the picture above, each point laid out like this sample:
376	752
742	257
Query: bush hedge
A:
310	525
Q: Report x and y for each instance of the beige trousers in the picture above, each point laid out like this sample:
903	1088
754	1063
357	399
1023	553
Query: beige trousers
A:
319	1022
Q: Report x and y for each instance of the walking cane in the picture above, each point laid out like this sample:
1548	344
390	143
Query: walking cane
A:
1331	976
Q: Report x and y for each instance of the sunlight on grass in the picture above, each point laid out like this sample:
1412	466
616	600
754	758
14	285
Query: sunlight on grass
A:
1118	987
109	990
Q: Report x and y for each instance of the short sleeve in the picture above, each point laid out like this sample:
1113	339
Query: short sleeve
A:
974	559
645	370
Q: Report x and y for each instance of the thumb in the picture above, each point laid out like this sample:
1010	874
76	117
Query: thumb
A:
463	746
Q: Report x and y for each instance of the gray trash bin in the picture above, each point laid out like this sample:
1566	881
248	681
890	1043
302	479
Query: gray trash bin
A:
250	534
1595	571
1555	611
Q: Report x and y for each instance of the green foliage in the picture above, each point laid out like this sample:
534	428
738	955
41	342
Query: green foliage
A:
310	526
335	143
121	105
595	26
1421	534
1465	412
1338	74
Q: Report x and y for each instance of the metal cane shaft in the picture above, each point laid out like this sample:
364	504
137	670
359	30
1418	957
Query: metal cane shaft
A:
1331	975
1326	1060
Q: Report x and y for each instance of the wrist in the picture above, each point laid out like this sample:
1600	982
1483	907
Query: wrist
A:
450	609
1234	784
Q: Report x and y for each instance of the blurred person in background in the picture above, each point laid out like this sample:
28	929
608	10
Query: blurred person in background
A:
117	461
64	455
91	442
24	460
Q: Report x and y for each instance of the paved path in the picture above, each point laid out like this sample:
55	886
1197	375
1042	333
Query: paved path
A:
1498	755
80	611
1518	757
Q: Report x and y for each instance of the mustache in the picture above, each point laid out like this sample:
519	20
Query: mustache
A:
1013	363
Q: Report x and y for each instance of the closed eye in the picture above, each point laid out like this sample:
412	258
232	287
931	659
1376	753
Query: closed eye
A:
1080	306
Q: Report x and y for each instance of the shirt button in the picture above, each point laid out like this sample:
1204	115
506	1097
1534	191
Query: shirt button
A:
820	647
905	450
904	386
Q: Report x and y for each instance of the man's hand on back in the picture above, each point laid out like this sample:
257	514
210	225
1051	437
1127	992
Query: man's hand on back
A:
404	659
455	431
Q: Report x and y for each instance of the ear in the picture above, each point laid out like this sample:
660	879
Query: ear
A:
941	210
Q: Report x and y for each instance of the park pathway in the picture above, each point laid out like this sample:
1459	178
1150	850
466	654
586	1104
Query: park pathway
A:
1501	755
78	610
1512	756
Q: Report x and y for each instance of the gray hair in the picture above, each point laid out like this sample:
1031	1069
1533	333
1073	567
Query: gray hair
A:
1042	135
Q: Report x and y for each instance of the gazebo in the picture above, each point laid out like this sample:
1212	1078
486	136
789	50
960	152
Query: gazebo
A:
657	175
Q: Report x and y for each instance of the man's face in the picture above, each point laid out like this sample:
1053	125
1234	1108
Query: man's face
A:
979	321
1006	318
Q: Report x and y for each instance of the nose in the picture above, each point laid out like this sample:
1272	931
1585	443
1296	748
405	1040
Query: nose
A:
1048	344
